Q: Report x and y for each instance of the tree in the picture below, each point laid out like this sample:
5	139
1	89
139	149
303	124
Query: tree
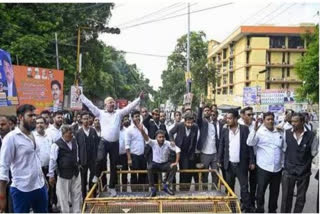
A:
307	68
27	32
173	78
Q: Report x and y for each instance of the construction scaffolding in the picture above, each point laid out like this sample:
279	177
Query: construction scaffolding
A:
202	197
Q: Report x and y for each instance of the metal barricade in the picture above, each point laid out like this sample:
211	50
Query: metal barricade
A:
217	200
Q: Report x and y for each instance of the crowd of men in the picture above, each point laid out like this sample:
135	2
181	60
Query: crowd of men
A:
48	164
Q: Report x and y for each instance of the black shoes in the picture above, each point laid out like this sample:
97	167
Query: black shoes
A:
153	192
167	189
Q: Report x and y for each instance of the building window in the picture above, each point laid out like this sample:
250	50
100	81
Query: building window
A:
231	90
231	64
288	60
248	42
224	79
219	57
295	42
219	91
288	72
231	49
248	84
268	74
283	72
247	58
282	85
231	78
247	74
224	53
283	58
224	91
219	81
287	85
268	85
277	42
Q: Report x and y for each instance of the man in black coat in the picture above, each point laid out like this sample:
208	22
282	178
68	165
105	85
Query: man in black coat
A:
236	156
207	144
186	140
88	141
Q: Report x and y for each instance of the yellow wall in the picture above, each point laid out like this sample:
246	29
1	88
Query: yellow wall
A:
276	58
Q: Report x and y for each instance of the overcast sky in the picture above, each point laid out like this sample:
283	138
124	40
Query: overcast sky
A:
159	38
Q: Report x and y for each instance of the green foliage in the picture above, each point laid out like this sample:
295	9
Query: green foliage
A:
307	69
173	78
27	31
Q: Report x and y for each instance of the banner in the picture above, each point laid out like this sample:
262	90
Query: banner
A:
276	108
250	96
8	90
76	103
121	103
272	96
41	87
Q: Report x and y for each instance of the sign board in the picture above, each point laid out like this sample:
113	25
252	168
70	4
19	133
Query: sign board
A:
41	87
8	90
276	108
250	96
75	102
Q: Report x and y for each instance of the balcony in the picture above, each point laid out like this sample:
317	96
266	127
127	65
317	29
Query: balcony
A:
219	63
231	69
279	65
231	56
282	80
248	48
297	50
225	60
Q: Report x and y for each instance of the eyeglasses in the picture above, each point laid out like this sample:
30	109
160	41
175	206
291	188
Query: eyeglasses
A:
249	115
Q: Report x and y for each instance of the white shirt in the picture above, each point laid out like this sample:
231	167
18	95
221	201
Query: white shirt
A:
160	154
188	131
269	148
209	146
234	146
122	145
54	152
251	126
44	142
54	133
134	140
19	155
110	122
86	131
314	144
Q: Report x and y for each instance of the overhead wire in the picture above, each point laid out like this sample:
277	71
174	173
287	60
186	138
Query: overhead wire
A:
266	16
175	16
151	14
281	12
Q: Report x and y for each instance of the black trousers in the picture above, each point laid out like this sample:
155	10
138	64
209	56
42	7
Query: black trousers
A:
253	186
186	178
84	177
273	179
235	171
288	184
154	167
123	161
138	163
111	148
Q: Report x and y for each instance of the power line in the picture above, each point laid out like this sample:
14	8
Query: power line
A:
171	17
281	12
256	13
144	54
151	14
270	13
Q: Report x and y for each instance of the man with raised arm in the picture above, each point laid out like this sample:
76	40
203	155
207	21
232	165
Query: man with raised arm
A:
110	120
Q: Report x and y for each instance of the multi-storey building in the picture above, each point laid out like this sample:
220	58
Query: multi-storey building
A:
263	56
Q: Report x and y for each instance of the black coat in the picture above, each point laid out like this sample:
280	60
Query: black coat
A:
152	128
246	152
203	127
94	142
180	130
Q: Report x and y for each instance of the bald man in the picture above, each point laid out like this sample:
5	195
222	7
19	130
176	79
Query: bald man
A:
110	120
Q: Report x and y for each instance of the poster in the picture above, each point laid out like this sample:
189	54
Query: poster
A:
288	96
121	103
250	96
272	96
276	108
41	87
8	90
76	103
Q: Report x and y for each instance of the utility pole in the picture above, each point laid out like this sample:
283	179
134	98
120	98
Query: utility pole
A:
188	54
57	53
